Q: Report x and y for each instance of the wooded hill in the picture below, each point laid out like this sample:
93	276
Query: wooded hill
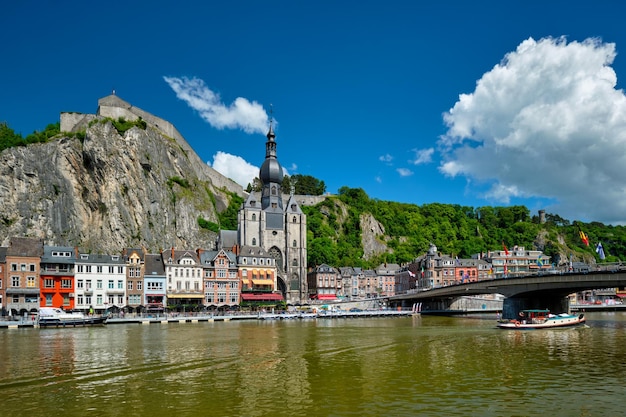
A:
336	235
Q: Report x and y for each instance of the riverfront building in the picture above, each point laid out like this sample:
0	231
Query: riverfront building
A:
23	259
57	277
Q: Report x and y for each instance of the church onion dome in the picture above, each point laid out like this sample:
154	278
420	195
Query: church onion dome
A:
271	171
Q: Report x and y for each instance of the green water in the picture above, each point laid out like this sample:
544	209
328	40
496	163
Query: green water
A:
426	366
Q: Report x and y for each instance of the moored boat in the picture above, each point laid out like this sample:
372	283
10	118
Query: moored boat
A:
57	317
542	319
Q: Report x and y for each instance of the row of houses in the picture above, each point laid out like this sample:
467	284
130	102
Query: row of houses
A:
431	270
33	275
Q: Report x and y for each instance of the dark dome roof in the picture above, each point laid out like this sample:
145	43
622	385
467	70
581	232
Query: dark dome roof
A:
271	171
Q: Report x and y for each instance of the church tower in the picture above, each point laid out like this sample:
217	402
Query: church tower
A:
277	228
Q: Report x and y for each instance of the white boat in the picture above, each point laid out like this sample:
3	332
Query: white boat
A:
57	317
542	319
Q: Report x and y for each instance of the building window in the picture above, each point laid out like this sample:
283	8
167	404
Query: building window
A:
139	285
295	219
253	241
295	243
32	267
30	282
48	283
48	300
295	262
99	284
130	285
66	283
253	217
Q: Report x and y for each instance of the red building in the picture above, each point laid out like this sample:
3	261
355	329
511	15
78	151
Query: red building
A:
56	283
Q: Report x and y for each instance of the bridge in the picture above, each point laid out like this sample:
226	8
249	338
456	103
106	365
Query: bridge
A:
531	291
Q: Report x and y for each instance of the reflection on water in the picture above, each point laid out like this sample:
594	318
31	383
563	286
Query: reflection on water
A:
431	366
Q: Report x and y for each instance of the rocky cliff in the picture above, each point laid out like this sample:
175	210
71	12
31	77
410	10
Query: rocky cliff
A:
103	190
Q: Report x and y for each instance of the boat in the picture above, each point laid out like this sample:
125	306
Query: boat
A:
542	319
57	317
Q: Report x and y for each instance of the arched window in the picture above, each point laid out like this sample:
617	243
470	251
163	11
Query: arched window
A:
295	220
295	244
295	262
273	190
253	217
254	241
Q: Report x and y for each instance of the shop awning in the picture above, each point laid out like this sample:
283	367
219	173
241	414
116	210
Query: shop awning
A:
185	296
326	296
262	297
262	282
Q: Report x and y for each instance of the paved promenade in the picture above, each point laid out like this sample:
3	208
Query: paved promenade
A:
196	318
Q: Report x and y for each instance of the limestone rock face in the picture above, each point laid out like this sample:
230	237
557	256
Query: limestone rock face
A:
372	236
110	191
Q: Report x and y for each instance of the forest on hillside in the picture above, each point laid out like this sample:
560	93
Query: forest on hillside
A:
334	233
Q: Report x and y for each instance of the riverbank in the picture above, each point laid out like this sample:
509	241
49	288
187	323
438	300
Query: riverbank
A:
196	318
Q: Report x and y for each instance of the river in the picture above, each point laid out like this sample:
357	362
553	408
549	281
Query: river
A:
426	366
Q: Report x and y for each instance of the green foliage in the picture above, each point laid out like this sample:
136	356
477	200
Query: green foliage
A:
9	139
122	125
303	185
228	218
178	180
207	225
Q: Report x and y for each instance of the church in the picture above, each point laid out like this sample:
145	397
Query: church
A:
272	222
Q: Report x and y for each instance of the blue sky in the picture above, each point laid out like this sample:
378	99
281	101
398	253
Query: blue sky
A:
472	103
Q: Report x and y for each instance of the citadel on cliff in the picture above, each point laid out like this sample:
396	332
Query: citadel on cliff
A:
94	193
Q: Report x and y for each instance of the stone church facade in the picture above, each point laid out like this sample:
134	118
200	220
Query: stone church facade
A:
274	222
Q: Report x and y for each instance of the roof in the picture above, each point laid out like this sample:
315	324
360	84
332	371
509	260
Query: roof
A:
154	265
25	246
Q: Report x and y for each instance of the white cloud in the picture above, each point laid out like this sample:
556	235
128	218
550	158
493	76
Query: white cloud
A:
404	172
241	114
545	122
385	158
378	179
235	168
423	156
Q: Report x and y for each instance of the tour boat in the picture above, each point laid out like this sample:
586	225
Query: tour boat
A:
542	319
57	317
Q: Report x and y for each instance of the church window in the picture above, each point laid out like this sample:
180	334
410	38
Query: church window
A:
253	241
253	217
273	190
295	219
295	244
295	262
293	207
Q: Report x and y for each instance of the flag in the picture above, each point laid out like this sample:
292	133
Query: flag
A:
600	251
539	262
583	237
411	274
506	251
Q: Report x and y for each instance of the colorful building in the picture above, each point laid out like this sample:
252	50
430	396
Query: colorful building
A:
57	277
